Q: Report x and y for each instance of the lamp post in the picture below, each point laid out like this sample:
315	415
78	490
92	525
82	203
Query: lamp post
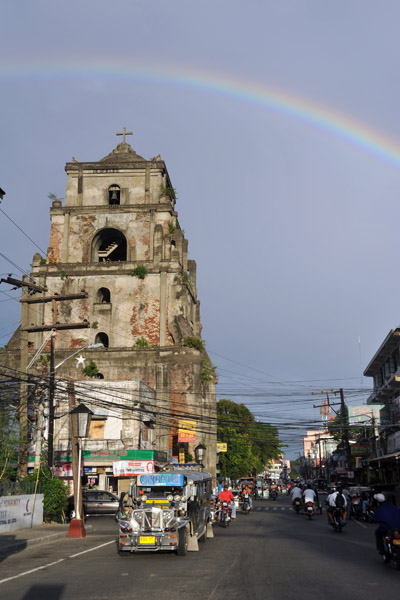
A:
81	417
199	453
89	347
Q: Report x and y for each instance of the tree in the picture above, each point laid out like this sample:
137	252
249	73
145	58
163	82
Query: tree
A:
357	433
9	443
251	444
294	468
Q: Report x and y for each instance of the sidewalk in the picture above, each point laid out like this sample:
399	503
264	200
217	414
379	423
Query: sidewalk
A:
15	541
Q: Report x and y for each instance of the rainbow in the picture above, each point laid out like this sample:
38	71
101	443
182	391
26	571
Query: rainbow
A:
326	119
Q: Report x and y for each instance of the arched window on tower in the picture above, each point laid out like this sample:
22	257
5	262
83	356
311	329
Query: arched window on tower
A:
101	338
103	296
109	245
114	195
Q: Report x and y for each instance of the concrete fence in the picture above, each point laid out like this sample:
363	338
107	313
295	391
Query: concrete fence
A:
20	512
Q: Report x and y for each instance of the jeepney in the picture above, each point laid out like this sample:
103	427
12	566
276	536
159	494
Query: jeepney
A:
169	510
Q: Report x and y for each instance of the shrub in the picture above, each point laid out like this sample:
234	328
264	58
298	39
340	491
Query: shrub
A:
169	191
140	272
141	342
91	370
55	500
207	371
194	342
55	495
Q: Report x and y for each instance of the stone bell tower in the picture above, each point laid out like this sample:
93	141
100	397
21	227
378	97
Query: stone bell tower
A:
119	239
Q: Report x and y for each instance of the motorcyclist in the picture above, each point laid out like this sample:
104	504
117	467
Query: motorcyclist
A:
333	503
309	495
388	517
296	493
246	490
227	496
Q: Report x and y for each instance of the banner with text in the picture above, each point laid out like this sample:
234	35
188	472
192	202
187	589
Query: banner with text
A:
129	468
187	431
16	512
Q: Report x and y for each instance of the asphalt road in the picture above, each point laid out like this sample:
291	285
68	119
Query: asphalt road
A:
270	553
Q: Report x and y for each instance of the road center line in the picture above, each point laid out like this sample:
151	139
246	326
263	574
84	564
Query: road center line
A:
90	549
360	524
31	571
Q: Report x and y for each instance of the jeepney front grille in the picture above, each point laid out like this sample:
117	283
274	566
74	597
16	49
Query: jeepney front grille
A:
149	519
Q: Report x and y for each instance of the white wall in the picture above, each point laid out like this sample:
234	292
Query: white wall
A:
16	512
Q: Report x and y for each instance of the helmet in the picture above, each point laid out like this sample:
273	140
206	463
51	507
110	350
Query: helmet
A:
379	498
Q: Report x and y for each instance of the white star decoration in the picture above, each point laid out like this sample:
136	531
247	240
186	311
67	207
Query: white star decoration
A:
80	361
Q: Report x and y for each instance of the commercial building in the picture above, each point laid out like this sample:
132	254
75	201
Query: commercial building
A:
384	368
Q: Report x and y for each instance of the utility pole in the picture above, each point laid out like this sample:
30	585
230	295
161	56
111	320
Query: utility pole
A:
50	443
27	287
345	430
23	394
53	326
75	451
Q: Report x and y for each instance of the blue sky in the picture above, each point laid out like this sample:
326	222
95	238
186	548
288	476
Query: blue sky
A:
293	227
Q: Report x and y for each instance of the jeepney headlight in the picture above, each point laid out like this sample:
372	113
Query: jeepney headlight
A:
170	497
177	498
190	481
184	499
168	515
139	498
144	498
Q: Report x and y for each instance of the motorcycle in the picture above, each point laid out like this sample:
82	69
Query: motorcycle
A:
224	514
391	548
367	516
297	505
338	522
273	495
309	509
356	507
246	504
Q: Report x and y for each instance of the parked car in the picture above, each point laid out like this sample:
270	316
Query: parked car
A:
95	502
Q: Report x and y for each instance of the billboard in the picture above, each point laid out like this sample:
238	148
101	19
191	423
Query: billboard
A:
364	414
187	431
128	468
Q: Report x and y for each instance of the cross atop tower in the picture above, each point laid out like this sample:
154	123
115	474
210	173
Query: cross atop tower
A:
124	133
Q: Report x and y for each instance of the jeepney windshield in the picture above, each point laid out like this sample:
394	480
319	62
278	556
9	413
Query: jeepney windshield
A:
161	491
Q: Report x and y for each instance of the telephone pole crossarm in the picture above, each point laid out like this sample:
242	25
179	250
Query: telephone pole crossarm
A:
60	326
18	283
59	298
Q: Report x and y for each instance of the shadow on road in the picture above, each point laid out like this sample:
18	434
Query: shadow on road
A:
39	592
9	546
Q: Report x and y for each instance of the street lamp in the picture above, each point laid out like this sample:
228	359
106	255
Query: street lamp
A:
81	417
89	347
199	453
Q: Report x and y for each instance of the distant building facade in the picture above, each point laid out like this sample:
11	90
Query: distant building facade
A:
384	368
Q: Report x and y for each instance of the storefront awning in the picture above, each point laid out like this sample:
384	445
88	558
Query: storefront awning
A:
394	455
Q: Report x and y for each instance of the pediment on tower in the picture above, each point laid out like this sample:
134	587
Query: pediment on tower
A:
123	153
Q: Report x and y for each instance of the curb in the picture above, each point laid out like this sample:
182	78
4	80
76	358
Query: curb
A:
23	544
